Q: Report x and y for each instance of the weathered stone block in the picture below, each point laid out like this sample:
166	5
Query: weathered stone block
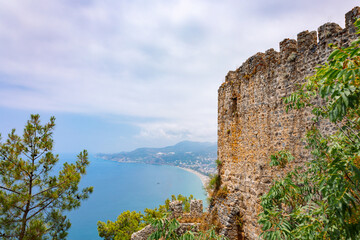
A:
306	40
287	47
351	16
328	30
143	234
176	208
196	207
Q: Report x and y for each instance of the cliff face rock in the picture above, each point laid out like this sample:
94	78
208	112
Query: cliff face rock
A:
252	123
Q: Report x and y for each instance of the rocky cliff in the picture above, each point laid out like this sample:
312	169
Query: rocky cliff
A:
252	123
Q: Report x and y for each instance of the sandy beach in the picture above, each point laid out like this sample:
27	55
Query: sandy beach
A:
204	179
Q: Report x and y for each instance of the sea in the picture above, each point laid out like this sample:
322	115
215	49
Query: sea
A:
120	187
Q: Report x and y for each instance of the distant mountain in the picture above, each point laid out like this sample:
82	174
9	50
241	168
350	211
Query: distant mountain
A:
199	156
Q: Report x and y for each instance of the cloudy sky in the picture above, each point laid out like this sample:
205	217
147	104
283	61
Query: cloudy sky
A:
122	74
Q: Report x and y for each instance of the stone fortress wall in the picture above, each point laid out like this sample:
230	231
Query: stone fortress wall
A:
252	123
176	211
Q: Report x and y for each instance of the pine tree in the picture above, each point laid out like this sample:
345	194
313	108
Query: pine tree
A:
32	198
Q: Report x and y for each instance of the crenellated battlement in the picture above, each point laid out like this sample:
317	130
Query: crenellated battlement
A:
252	123
306	43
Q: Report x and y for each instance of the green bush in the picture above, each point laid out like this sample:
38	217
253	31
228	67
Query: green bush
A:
168	229
218	163
214	182
126	224
129	222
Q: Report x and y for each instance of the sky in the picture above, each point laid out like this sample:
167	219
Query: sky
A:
123	74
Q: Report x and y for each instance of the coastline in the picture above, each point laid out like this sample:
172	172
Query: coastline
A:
204	179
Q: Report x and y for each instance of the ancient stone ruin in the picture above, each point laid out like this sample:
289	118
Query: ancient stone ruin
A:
176	211
252	123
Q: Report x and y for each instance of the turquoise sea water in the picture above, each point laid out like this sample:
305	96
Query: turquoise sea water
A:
126	186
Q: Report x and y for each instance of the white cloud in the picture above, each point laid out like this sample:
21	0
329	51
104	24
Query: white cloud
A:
154	59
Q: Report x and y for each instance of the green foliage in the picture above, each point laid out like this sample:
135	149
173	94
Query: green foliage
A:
185	201
281	158
125	224
32	199
322	201
155	213
222	192
129	222
212	187
218	163
214	182
168	229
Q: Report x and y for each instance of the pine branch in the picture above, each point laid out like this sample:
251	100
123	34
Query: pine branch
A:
41	209
10	190
10	160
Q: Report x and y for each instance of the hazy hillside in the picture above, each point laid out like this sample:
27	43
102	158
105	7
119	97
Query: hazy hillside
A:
199	156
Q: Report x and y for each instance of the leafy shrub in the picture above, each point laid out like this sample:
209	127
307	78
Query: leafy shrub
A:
214	182
281	158
168	229
223	192
129	222
126	224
